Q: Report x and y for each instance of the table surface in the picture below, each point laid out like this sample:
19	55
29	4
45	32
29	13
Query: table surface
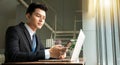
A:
81	62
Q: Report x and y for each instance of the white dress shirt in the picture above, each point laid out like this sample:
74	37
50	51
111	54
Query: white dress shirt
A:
47	53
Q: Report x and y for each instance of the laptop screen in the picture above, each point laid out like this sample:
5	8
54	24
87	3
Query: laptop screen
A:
78	46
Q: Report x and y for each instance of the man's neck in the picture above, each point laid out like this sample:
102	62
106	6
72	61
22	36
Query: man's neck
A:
32	27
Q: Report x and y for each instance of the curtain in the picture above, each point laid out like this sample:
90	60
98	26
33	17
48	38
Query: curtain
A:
108	32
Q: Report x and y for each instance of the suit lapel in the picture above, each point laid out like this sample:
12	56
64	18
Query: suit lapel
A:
37	43
27	35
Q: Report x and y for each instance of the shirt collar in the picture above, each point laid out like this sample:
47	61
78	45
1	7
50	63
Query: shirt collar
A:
31	32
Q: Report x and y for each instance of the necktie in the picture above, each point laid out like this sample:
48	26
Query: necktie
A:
33	43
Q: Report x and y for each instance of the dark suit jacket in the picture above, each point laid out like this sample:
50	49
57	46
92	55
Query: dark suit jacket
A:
18	45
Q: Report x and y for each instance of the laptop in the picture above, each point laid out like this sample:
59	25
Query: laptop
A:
76	50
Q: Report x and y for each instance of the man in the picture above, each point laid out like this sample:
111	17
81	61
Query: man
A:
22	44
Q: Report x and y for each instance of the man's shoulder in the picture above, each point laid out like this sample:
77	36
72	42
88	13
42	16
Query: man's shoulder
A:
18	26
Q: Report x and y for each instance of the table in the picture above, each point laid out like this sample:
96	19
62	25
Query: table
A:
45	62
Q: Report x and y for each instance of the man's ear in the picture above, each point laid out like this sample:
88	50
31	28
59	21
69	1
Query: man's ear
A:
28	16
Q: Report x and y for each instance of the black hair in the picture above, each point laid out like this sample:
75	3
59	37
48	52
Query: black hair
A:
33	6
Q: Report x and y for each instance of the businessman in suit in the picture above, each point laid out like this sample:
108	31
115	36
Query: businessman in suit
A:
22	44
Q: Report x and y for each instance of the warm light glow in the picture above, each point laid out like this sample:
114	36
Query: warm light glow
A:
94	4
91	8
105	3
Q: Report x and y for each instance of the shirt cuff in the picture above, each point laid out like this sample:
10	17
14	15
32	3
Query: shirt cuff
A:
47	54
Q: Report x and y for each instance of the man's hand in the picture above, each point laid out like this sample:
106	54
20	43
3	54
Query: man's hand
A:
58	51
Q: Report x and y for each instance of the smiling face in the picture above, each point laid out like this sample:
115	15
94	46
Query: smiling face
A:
37	19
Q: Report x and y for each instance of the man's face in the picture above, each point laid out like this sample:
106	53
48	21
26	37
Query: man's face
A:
37	19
